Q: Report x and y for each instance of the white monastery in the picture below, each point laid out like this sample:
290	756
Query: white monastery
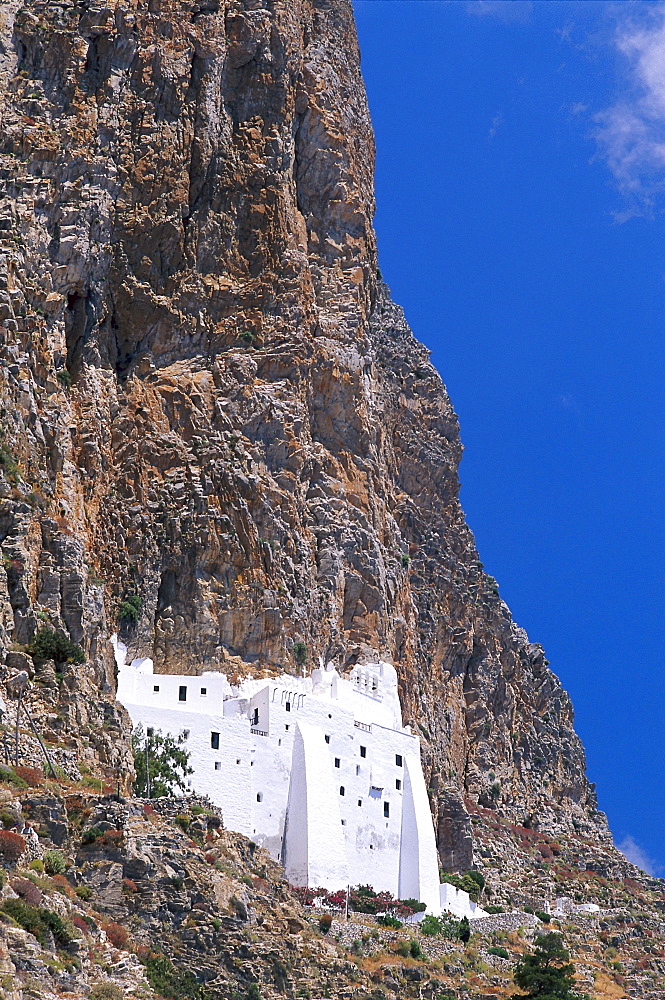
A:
319	771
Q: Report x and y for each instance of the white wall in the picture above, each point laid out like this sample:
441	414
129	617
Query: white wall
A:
459	903
330	751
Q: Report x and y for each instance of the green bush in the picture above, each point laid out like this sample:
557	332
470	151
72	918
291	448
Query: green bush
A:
64	378
37	865
248	337
403	949
386	920
38	921
54	863
544	917
47	644
501	952
431	925
415	951
464	929
253	992
84	892
405	560
169	982
493	909
9	465
299	650
130	609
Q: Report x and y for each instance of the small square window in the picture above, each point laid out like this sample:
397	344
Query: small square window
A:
360	802
357	769
327	739
151	731
341	790
398	759
398	784
343	822
338	762
363	751
279	743
214	741
218	765
182	693
237	761
288	706
287	728
386	808
204	691
259	796
156	687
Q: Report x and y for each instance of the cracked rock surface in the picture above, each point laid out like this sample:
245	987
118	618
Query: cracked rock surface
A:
210	402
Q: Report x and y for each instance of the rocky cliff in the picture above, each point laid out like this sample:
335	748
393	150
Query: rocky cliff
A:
210	405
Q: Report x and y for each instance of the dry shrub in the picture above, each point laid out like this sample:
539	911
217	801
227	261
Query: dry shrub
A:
33	776
112	838
117	934
12	846
106	991
129	885
62	885
81	924
28	891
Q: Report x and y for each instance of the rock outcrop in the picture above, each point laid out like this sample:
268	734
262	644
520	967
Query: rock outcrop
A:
210	404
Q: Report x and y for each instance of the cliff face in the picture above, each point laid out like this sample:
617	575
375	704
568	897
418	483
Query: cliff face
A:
210	401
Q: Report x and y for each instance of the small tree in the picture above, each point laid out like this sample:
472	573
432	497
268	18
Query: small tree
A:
299	650
130	609
161	763
547	973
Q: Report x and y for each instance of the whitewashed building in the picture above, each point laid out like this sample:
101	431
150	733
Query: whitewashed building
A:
319	770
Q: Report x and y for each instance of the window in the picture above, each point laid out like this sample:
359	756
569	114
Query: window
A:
259	796
288	706
363	751
279	743
338	762
214	740
156	687
341	790
398	784
371	847
182	693
343	822
327	739
287	728
398	759
237	761
255	717
218	765
204	692
386	808
185	734
357	769
151	731
360	802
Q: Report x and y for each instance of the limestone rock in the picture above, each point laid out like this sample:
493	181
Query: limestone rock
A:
212	404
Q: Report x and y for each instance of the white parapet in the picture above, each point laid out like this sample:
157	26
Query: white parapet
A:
319	770
458	902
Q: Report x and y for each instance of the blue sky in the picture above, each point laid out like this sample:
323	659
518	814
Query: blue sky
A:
520	192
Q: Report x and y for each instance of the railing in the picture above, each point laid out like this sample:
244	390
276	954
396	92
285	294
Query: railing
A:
363	725
259	732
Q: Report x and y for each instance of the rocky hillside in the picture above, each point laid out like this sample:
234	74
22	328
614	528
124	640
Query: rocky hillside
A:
140	900
210	405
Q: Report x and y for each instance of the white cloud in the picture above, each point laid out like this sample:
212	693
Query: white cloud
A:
631	132
634	853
